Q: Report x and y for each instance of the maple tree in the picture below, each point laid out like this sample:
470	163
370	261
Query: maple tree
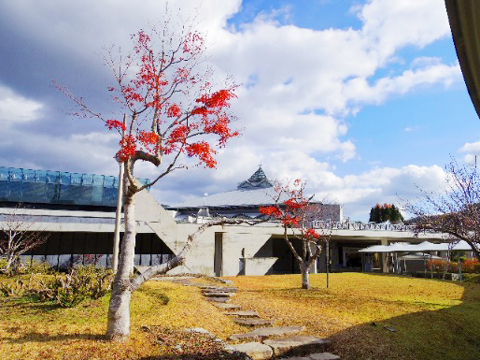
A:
296	213
172	112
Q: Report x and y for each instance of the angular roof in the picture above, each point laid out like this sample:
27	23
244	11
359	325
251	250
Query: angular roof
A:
257	181
253	192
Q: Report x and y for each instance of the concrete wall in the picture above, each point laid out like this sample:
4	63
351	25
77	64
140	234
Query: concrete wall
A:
259	266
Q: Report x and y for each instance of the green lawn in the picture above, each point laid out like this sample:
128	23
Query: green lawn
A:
431	319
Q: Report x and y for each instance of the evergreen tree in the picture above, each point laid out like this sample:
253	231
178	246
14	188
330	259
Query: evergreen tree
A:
382	213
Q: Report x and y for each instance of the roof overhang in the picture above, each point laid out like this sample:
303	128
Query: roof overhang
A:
464	18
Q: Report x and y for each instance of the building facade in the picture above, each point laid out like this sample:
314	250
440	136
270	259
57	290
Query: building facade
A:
82	231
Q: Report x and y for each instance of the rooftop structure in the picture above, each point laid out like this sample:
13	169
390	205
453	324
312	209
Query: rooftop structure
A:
19	185
256	191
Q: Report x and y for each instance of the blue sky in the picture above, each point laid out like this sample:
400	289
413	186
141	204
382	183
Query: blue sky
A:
362	99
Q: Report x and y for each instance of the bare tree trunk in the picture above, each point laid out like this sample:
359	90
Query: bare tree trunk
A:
11	260
119	310
305	279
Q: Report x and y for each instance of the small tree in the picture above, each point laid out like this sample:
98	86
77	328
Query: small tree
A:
455	211
382	213
296	214
19	234
171	110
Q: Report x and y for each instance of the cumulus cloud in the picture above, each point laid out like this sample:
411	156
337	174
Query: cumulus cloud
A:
421	22
358	90
471	151
15	108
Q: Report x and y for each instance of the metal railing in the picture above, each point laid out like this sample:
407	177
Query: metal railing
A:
347	225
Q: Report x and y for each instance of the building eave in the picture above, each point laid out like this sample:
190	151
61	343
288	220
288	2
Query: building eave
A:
464	18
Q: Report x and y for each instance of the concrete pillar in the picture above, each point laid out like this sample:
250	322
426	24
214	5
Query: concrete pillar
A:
384	257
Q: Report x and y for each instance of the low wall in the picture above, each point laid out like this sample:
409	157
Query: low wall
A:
259	266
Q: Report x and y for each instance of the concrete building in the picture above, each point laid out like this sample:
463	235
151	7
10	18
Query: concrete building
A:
80	216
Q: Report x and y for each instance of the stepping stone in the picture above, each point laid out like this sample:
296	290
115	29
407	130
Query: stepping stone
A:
255	350
253	322
222	299
229	289
244	313
225	306
316	356
324	356
219	294
296	344
219	290
208	287
266	332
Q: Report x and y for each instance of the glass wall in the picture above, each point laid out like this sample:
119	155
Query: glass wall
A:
64	250
56	187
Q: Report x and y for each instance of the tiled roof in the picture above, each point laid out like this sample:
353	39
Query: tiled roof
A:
257	181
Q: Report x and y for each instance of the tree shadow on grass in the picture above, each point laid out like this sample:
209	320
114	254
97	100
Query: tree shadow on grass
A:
41	337
186	356
450	333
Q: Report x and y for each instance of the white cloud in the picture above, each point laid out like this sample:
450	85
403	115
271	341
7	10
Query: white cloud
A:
412	128
15	108
471	150
392	25
358	90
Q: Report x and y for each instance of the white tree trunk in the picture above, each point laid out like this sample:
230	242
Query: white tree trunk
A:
305	271
119	310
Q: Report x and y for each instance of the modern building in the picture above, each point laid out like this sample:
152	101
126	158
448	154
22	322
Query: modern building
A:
78	212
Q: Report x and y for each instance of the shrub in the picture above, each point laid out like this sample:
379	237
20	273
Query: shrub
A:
471	266
15	288
21	268
81	283
468	265
36	267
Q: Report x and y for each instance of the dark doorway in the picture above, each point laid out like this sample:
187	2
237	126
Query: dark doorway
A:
218	254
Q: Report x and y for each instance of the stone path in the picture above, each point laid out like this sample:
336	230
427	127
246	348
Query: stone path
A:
265	341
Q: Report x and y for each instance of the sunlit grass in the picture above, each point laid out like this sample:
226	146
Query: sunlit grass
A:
357	310
31	330
432	319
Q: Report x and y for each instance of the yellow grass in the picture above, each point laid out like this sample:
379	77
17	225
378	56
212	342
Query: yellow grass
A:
39	331
432	319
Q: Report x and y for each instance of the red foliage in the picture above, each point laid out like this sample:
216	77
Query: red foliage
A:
152	97
471	265
270	211
203	151
115	124
294	212
128	148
